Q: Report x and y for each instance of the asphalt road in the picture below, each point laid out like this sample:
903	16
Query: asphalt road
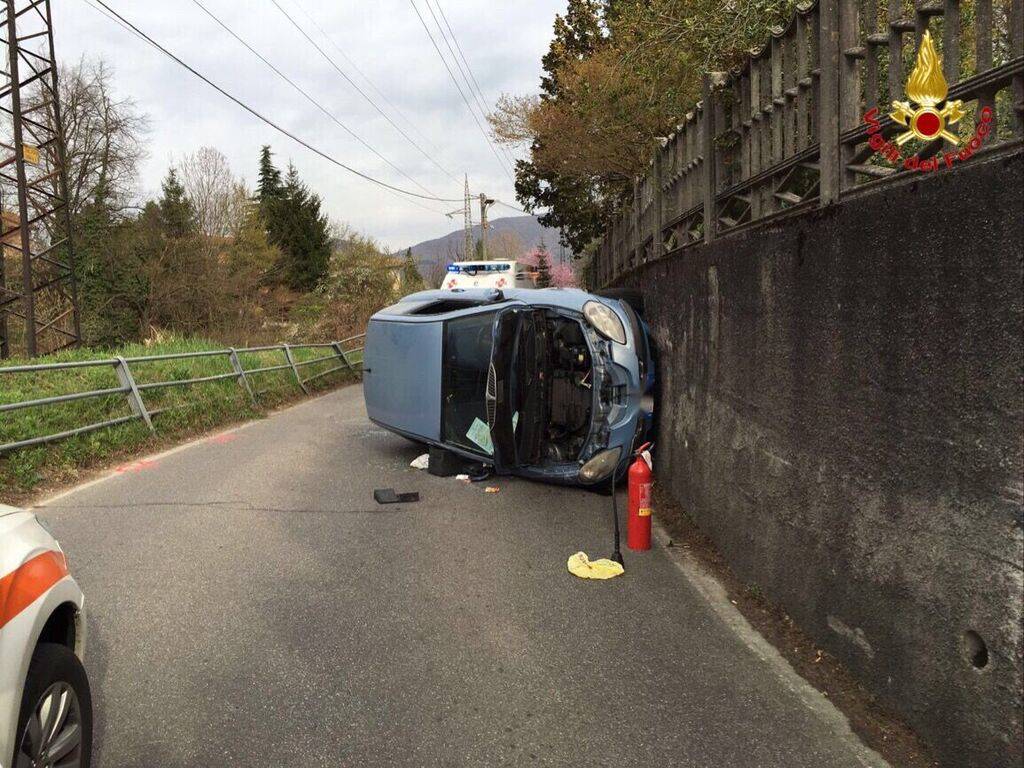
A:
250	605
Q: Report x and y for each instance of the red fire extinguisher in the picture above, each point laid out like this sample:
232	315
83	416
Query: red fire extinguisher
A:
638	526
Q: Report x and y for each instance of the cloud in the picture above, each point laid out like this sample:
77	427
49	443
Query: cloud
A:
503	43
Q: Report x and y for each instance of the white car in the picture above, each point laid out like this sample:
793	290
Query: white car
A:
45	703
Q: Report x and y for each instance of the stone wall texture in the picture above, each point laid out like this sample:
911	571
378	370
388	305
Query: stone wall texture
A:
840	409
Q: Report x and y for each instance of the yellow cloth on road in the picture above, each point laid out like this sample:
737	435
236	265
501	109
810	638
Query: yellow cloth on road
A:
582	566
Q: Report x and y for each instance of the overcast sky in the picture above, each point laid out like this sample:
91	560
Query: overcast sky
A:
502	41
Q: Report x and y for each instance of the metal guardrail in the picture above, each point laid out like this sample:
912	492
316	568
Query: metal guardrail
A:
133	391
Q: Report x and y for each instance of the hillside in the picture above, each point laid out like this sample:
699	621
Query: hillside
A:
525	230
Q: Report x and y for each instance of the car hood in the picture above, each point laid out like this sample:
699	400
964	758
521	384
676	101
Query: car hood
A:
402	376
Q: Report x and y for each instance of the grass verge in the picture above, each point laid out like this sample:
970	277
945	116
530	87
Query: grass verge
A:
184	410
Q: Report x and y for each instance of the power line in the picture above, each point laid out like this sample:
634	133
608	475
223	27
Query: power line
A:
361	92
309	98
373	86
459	88
128	25
513	207
471	80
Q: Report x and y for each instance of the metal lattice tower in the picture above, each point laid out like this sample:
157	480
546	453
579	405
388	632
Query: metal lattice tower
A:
38	295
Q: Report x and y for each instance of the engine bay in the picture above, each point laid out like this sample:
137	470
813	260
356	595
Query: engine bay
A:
570	388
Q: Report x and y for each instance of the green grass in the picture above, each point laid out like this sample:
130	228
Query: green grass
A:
186	410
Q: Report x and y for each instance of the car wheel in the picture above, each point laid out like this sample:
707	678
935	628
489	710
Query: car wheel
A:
55	724
631	296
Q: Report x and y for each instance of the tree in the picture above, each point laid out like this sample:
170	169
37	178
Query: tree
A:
109	267
412	280
269	186
296	225
361	279
543	269
618	76
504	246
103	137
177	216
574	203
219	199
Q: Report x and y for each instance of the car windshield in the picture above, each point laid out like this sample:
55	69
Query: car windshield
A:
467	357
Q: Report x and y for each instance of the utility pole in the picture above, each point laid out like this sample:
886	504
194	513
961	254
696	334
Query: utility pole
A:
43	300
467	218
485	203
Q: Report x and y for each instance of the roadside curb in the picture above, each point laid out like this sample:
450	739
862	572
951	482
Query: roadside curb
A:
714	592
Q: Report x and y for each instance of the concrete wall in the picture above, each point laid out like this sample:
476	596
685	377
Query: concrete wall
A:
841	412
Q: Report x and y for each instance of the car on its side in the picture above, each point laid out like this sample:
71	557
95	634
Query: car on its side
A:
552	384
45	702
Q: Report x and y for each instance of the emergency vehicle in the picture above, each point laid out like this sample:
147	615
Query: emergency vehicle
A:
487	274
45	703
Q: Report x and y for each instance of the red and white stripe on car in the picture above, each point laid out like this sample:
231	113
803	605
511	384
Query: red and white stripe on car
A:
40	603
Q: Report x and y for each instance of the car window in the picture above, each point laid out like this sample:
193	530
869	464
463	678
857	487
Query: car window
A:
467	357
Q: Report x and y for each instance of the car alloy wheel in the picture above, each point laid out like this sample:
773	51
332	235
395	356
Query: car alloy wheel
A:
52	737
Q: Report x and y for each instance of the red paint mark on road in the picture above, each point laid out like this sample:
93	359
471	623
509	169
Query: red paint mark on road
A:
135	466
227	437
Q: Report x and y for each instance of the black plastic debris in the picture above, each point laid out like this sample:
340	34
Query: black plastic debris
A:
388	496
447	464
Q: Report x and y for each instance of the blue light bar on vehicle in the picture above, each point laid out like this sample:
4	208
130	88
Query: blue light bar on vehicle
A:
476	268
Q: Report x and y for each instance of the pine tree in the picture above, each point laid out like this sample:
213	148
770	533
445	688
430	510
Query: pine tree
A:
177	215
269	186
296	225
412	280
543	268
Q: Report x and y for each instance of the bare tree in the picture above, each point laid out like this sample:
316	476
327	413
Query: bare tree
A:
219	198
104	136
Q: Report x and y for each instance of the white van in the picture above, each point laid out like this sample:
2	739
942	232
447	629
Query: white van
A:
487	274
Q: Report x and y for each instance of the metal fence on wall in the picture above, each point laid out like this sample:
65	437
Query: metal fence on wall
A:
347	356
787	131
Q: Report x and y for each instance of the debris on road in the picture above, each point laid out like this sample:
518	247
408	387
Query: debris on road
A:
388	496
421	462
582	566
492	489
463	478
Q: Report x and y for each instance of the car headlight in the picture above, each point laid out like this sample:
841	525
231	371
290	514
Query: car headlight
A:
605	321
601	466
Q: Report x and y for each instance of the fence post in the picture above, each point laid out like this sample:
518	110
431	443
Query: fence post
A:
341	354
708	151
236	364
658	242
124	375
291	361
828	101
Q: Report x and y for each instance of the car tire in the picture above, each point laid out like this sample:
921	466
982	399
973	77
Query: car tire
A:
54	672
631	296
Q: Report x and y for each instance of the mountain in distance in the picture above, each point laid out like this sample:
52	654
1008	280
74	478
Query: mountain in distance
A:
523	232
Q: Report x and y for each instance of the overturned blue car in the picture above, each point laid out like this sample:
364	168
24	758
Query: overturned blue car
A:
551	384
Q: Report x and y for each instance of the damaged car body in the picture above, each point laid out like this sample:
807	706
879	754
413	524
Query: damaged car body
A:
550	384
